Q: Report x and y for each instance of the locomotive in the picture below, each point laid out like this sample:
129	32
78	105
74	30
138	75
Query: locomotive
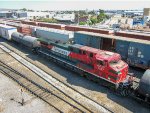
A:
103	64
104	67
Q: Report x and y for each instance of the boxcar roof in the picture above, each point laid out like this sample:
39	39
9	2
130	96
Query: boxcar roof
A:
7	27
135	33
115	37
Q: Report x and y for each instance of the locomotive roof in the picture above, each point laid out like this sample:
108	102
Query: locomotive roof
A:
76	46
100	54
106	55
90	49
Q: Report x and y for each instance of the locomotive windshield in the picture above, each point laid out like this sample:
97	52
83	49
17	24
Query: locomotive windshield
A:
117	64
113	62
99	62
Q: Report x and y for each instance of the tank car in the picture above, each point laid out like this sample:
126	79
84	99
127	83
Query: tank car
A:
28	41
144	85
142	92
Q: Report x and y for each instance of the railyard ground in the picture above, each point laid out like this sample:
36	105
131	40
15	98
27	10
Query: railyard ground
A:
11	98
10	92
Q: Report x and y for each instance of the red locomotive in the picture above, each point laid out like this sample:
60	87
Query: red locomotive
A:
104	65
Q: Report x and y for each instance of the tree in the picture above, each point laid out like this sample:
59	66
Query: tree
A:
101	16
49	20
92	12
30	10
93	20
24	9
101	11
82	13
82	23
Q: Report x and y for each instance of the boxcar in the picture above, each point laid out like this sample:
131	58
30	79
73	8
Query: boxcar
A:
6	31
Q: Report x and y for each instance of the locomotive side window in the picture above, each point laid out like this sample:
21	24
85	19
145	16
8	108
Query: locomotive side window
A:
5	33
91	54
80	52
44	43
71	49
99	62
84	52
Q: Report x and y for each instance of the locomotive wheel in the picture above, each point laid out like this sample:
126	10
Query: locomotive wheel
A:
89	77
124	92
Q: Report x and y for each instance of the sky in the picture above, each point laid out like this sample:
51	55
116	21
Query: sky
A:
75	4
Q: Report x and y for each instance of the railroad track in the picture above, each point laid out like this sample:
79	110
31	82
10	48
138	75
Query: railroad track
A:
37	90
83	100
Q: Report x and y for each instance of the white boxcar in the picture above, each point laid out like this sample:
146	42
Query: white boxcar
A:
6	31
60	36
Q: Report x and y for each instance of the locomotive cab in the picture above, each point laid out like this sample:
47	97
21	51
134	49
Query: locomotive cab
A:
110	66
118	68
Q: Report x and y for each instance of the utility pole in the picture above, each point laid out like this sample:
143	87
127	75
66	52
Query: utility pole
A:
78	17
22	99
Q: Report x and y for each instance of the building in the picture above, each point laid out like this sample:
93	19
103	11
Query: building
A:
5	14
146	14
132	13
25	15
19	14
37	15
65	17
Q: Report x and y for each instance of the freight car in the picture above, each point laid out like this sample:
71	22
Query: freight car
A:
143	36
141	91
89	29
51	25
136	54
57	35
30	22
28	41
22	28
6	31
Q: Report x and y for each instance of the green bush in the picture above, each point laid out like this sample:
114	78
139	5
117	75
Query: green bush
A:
82	23
49	20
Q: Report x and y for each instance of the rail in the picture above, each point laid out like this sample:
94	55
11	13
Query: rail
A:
31	86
